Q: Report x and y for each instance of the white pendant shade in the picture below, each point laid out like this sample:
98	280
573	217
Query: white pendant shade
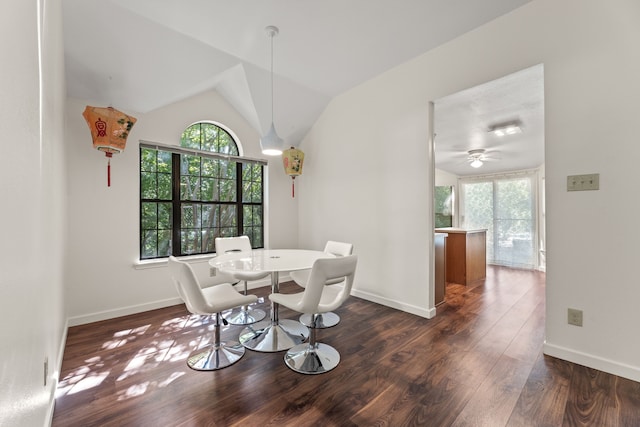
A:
271	143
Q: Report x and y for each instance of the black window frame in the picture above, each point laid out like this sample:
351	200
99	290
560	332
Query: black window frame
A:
254	222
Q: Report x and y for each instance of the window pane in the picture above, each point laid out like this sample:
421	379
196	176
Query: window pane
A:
189	188
209	216
208	240
210	167
164	243
164	216
506	208
247	218
190	241
189	165
191	137
443	198
226	144
149	217
514	226
256	192
228	216
164	186
227	190
191	214
149	244
257	215
255	234
148	185
207	187
217	167
209	137
228	170
164	162
147	160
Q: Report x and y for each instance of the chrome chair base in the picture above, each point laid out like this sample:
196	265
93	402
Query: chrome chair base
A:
312	359
268	337
244	315
212	357
324	320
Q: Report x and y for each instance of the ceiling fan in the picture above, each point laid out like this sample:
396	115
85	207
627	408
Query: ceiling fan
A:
477	157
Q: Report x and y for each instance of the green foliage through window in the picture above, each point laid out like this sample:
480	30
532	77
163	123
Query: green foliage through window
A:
443	205
187	200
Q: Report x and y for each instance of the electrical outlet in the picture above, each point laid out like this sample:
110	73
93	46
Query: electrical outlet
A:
213	271
583	182
46	370
574	317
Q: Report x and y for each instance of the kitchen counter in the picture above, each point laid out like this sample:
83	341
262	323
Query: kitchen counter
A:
466	254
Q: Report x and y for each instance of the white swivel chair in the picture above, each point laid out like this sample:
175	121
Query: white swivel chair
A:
325	320
209	301
244	315
314	357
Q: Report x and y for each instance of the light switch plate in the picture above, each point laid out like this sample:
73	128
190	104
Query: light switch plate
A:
583	182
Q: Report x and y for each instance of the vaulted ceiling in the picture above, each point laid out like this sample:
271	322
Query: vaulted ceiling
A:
139	55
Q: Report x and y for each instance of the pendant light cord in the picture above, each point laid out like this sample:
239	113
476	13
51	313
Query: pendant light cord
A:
272	34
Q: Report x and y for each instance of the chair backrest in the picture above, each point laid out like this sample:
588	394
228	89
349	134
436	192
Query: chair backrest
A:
323	270
188	287
338	248
232	244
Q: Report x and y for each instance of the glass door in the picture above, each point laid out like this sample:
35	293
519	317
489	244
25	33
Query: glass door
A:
506	207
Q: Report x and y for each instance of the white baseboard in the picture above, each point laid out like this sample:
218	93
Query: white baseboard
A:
139	308
591	361
55	378
122	311
398	305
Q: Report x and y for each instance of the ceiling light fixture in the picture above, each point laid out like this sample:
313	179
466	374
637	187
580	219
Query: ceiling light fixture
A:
271	144
475	158
476	163
506	128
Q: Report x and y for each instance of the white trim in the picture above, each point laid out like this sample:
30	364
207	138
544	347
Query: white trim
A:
140	308
55	377
398	305
123	311
177	149
162	262
591	361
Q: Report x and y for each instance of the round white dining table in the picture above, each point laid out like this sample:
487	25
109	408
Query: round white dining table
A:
274	334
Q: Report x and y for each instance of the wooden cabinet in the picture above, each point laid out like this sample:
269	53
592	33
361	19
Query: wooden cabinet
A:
440	245
466	255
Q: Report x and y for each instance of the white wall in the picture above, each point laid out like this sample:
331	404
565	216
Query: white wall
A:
32	191
104	232
367	178
446	178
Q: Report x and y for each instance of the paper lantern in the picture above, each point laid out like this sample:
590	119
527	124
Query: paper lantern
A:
109	131
292	160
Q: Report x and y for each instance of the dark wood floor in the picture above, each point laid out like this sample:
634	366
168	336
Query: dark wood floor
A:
478	363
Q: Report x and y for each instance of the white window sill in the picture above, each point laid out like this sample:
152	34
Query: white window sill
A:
162	262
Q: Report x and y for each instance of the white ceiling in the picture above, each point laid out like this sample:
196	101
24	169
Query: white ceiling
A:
139	55
462	122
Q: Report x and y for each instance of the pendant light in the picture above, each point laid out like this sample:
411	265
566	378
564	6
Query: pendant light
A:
271	144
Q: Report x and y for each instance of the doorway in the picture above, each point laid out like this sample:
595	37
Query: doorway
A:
491	137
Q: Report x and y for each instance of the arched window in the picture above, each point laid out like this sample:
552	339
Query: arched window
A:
206	136
192	195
